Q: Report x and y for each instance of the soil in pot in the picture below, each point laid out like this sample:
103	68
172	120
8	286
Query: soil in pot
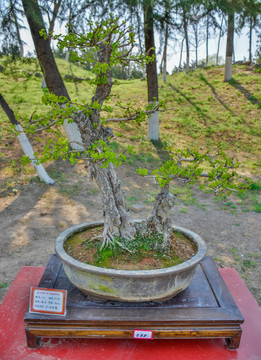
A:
144	253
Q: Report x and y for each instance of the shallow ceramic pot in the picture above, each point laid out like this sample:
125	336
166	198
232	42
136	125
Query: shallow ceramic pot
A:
129	285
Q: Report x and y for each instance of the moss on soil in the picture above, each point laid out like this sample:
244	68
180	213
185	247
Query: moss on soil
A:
145	254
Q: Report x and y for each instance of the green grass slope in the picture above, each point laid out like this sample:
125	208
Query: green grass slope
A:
202	110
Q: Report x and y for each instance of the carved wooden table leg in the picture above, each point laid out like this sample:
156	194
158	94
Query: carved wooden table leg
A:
233	342
33	341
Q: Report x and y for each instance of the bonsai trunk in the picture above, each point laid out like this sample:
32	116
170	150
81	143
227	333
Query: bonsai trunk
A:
117	219
159	220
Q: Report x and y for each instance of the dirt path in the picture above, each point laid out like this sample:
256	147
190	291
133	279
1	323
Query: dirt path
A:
31	220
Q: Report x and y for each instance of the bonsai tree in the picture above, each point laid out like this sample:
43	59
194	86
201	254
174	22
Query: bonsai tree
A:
107	44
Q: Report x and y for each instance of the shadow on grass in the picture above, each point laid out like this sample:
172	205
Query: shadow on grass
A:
201	113
202	77
250	97
161	150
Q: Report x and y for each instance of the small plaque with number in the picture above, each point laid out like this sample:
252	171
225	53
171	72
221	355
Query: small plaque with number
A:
143	334
48	301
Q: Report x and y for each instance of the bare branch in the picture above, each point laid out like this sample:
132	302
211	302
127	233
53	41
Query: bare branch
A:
133	116
46	127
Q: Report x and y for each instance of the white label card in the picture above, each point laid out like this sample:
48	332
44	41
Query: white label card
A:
48	301
143	334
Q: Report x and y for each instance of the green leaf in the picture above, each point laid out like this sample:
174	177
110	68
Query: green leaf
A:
142	172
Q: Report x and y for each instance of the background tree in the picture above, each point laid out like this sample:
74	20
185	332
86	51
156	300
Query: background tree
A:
25	143
230	45
151	68
251	17
51	9
48	65
229	8
197	24
185	8
11	25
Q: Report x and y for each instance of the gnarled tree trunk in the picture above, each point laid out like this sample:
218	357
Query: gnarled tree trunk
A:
159	220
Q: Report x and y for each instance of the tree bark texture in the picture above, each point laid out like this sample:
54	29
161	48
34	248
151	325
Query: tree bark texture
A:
151	69
42	46
46	59
229	48
159	220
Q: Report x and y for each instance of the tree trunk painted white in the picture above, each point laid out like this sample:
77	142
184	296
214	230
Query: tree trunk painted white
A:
153	126
74	135
71	129
52	76
207	37
228	68
151	69
43	83
28	150
229	48
67	55
250	39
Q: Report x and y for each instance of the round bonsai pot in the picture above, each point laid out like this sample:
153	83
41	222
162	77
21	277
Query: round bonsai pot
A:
129	285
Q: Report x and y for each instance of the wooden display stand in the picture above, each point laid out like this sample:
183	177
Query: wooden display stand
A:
205	309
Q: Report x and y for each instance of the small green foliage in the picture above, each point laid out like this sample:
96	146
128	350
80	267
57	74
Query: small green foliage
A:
255	187
103	257
132	199
257	207
191	165
149	245
101	152
142	172
248	263
3	285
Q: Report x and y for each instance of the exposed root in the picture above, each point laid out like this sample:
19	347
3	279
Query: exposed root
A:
109	241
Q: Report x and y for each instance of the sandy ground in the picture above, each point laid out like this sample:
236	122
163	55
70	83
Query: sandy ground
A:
31	219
